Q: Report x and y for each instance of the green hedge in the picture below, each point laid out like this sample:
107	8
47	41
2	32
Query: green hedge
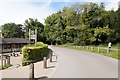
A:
34	53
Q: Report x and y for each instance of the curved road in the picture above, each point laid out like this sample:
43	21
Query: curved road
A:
81	64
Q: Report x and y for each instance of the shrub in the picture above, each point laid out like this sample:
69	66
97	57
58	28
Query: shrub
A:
34	53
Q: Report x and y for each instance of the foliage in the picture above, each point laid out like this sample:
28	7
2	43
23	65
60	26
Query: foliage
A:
80	24
32	24
12	30
34	52
83	24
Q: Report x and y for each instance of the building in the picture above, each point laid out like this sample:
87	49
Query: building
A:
8	45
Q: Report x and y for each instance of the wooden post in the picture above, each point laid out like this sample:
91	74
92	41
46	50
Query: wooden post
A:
45	62
79	47
8	59
50	57
4	61
83	47
98	50
117	51
29	36
87	47
1	60
91	48
1	48
35	36
31	73
108	50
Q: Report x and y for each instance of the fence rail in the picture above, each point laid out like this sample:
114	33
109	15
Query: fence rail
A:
94	48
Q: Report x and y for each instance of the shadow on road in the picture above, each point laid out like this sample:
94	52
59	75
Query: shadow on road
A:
41	78
50	67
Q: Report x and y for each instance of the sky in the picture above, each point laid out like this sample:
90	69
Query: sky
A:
18	11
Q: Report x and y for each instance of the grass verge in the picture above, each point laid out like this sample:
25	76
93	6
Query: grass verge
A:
113	53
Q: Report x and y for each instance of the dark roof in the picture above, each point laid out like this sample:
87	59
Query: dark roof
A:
13	40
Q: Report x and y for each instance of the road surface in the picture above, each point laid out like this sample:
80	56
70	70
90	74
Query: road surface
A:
81	64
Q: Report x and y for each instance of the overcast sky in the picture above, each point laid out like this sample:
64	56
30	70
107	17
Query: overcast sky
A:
18	11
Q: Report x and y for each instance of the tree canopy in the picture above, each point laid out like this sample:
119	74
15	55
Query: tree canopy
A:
33	24
83	24
12	30
80	24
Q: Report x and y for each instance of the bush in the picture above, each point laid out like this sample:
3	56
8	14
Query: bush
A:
34	53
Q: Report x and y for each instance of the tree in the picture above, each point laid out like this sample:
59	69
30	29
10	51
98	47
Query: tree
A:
12	30
34	24
83	24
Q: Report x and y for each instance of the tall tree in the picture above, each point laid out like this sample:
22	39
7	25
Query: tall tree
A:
34	24
12	30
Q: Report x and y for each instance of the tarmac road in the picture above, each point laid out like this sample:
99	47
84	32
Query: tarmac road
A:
81	64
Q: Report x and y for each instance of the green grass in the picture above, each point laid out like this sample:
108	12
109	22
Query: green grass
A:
105	46
5	66
113	53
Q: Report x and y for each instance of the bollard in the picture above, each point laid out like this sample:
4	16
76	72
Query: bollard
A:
1	61
8	60
31	72
4	62
50	57
45	63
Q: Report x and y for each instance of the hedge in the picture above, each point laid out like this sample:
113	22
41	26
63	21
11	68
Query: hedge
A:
34	53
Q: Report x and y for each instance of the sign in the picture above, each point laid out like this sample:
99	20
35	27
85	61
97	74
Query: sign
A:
33	35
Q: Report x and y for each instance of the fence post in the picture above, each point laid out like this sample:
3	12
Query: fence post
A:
117	51
45	62
87	47
108	50
83	47
98	50
91	48
31	74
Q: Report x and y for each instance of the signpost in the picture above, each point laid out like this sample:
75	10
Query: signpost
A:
33	35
